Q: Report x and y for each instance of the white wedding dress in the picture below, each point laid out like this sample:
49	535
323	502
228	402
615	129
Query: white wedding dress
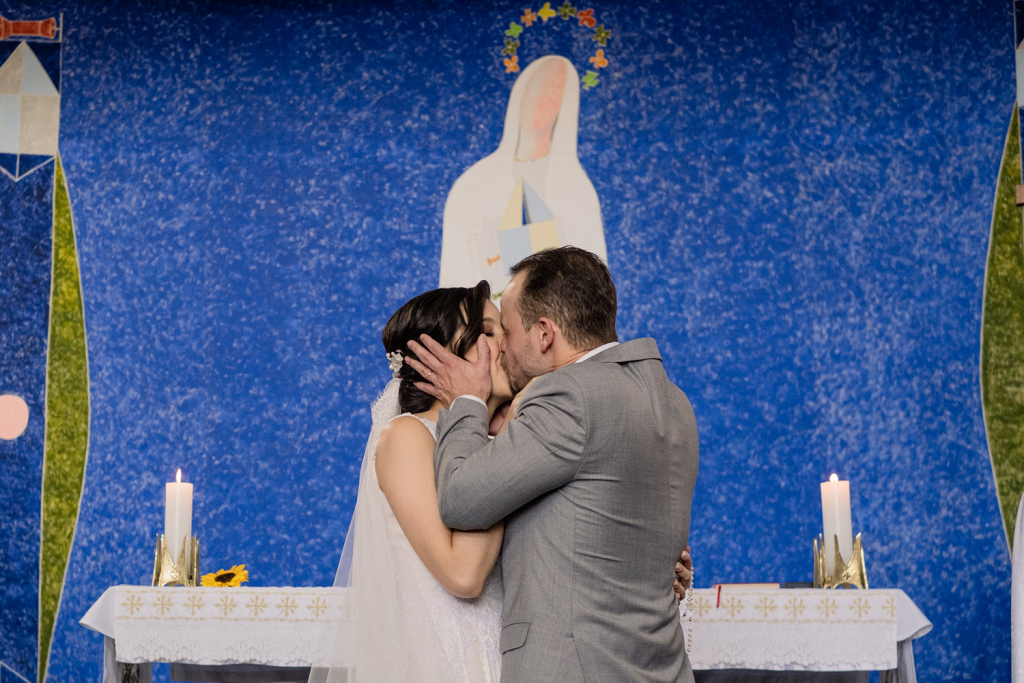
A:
469	629
404	626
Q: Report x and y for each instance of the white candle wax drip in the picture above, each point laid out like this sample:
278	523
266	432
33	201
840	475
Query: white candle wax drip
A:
836	518
178	517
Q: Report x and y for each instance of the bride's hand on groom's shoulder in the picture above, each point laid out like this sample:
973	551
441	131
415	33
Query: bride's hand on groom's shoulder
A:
500	419
510	411
448	376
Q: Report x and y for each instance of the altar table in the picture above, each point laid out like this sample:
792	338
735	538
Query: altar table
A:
741	628
793	630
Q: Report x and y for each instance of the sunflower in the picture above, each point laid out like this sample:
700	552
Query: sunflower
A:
227	577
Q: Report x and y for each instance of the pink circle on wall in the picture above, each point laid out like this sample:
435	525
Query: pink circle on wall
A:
13	416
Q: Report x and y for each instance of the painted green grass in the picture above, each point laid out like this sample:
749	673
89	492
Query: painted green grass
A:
67	417
1002	335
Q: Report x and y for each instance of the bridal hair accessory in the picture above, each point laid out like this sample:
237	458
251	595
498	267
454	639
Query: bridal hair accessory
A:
395	360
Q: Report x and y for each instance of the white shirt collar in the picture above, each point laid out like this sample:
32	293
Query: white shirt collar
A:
594	352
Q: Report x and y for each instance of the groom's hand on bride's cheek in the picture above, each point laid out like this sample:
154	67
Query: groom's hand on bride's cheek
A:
448	376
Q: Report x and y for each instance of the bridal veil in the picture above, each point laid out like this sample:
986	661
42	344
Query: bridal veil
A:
379	629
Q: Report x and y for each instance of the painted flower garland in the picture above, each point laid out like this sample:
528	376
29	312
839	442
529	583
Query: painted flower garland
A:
583	17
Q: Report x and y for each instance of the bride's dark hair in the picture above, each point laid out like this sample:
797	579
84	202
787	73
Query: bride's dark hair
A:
452	316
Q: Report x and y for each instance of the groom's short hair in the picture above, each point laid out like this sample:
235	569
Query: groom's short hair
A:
572	287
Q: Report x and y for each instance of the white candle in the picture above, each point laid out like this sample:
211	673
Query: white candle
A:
835	514
178	516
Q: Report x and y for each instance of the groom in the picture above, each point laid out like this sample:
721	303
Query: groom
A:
593	476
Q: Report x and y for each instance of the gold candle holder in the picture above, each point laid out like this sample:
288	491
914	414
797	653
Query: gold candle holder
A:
184	572
852	574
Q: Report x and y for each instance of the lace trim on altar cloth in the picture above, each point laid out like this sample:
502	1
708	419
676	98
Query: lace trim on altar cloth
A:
273	626
780	629
820	630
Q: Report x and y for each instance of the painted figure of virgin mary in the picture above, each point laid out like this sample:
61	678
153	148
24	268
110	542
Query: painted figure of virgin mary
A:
528	195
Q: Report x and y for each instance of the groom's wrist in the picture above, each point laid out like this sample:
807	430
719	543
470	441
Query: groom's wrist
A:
472	398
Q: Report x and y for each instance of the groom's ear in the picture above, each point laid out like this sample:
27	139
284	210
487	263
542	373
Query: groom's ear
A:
547	331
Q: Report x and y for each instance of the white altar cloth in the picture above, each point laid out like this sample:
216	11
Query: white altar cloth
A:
747	628
214	626
803	629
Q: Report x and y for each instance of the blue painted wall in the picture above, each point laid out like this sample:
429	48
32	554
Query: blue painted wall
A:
26	225
796	200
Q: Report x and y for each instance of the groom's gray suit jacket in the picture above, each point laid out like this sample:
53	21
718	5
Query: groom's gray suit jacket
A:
594	479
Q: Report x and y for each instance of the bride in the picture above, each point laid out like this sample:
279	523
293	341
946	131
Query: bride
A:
425	600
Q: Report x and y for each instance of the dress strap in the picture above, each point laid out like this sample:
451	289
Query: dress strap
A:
431	426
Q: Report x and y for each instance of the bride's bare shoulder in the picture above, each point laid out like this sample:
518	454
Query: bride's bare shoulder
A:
405	436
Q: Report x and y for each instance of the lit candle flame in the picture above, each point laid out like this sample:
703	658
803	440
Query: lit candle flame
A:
832	479
179	476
